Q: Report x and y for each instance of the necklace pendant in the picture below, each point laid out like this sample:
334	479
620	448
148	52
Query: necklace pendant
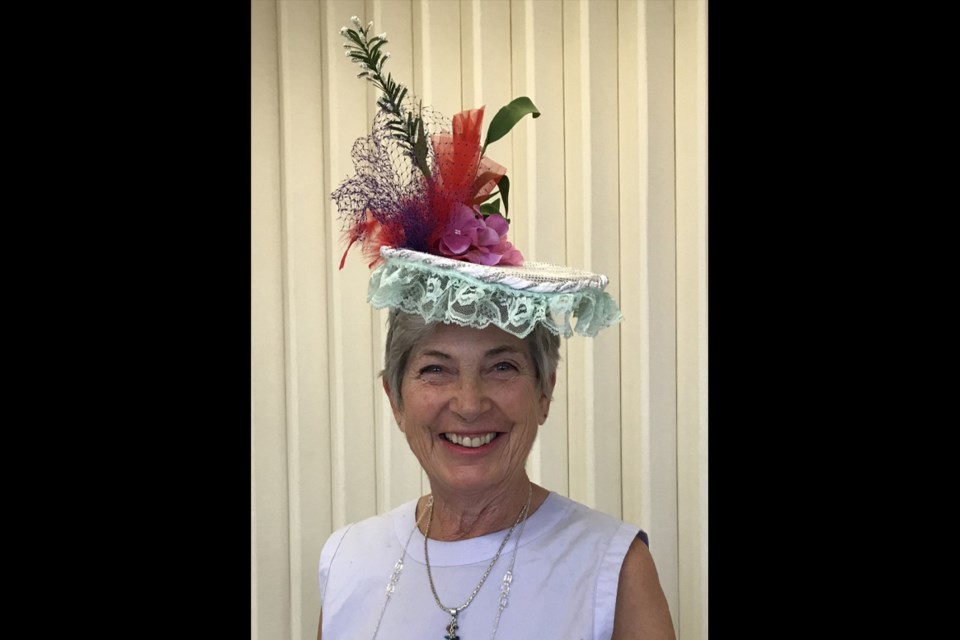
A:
452	628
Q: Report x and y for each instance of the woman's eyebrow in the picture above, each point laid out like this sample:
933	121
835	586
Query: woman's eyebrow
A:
433	353
504	349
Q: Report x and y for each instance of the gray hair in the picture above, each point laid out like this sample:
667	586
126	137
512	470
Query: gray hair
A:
405	331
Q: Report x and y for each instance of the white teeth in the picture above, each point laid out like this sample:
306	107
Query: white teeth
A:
471	443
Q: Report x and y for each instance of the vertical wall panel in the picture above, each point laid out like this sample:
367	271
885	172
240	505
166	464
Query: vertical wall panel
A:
647	241
486	68
601	236
269	451
306	200
437	55
661	304
580	448
348	116
590	85
691	91
634	250
594	186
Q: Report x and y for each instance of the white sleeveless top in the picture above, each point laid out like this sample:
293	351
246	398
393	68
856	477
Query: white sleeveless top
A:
564	581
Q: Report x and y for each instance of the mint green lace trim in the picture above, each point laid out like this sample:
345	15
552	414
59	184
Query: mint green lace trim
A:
442	295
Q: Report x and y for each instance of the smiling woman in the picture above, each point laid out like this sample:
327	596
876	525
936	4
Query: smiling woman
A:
471	360
611	178
470	403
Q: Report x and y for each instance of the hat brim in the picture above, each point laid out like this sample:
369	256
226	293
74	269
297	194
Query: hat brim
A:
513	298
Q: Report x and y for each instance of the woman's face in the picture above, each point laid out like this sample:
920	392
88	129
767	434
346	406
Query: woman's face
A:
471	407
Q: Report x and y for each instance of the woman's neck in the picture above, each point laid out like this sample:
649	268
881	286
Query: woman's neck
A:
460	517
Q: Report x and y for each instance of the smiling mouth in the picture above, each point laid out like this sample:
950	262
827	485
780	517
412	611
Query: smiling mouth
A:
470	443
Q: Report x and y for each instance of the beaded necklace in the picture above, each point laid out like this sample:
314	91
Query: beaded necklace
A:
454	611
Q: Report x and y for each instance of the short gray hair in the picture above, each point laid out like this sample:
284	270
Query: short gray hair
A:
405	330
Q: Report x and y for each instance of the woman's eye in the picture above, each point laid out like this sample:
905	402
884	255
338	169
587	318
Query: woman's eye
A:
504	366
430	368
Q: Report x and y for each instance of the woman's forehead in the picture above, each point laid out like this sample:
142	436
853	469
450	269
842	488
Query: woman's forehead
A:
453	340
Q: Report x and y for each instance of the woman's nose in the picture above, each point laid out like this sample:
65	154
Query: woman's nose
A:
469	399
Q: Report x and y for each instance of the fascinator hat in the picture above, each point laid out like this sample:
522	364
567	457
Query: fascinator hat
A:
425	208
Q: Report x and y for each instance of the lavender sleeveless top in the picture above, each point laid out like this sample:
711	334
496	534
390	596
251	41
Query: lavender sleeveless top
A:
564	580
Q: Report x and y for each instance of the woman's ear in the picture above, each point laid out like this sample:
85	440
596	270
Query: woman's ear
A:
397	413
545	399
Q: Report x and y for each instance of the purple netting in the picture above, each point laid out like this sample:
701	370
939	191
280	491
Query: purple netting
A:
388	186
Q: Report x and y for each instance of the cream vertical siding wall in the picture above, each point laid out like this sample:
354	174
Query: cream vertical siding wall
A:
691	327
611	178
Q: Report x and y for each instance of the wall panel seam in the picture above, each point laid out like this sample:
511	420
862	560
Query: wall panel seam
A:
289	348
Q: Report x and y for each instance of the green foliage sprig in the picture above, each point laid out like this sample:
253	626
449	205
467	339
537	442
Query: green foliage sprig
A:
367	53
406	127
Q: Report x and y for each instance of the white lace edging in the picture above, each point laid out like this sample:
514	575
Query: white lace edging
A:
438	293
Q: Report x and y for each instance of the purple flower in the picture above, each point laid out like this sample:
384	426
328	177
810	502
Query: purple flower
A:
468	236
461	231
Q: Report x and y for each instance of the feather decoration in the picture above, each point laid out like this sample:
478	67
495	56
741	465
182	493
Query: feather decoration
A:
421	182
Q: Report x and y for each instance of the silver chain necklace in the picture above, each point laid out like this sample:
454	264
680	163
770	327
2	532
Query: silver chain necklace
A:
398	567
507	578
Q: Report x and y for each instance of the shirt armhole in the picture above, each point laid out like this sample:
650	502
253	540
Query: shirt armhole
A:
644	538
608	579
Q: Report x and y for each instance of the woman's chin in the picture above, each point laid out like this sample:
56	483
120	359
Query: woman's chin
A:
474	479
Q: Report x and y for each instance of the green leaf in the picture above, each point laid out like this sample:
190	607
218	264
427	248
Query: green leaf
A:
507	117
490	207
504	188
420	149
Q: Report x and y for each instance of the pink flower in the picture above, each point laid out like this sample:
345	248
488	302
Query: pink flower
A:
468	236
461	231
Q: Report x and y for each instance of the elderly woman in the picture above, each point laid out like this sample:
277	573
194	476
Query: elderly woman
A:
471	363
470	402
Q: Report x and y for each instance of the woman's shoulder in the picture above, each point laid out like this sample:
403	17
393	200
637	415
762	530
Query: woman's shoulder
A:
580	521
377	523
590	517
